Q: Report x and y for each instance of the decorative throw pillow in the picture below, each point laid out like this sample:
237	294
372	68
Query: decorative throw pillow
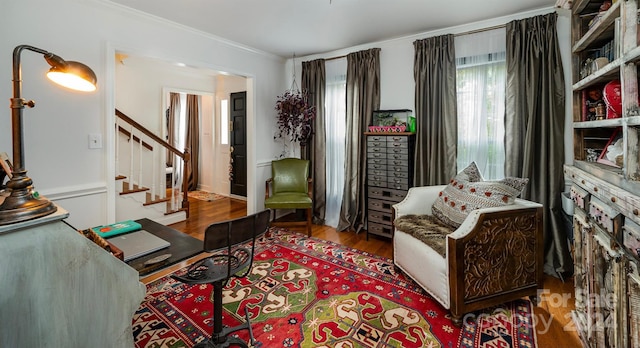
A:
462	196
470	173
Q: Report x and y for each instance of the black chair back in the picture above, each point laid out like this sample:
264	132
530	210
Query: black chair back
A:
231	233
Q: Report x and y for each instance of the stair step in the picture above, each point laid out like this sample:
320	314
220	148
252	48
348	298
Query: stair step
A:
155	200
169	212
120	177
135	188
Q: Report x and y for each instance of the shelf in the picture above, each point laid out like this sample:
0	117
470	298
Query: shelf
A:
579	5
633	120
633	56
608	173
595	33
610	123
605	74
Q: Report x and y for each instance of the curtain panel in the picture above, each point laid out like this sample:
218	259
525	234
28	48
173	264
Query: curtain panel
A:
363	96
434	71
534	127
313	83
193	140
172	116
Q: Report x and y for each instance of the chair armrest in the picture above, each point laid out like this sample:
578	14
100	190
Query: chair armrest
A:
496	255
475	216
418	200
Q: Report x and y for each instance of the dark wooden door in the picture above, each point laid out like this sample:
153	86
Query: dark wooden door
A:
239	144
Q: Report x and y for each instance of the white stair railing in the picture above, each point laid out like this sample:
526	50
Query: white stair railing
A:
139	144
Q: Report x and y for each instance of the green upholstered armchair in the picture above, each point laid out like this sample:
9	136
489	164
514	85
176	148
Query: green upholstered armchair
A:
290	188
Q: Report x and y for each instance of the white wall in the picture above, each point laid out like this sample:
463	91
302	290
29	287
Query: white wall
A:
139	88
56	130
207	143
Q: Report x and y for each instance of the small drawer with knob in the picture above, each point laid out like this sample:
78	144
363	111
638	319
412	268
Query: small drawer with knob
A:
631	238
606	217
579	196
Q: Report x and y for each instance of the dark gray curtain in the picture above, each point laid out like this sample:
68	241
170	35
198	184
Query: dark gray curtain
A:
434	70
174	109
534	127
193	140
363	96
313	83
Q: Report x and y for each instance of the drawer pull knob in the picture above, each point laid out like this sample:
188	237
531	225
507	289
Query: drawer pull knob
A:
613	199
582	181
595	189
635	212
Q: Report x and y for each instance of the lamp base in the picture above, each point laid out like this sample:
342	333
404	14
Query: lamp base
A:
22	204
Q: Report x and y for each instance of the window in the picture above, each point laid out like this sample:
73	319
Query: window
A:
481	79
335	128
224	122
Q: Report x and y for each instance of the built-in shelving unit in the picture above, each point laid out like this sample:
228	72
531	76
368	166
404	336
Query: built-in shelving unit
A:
605	174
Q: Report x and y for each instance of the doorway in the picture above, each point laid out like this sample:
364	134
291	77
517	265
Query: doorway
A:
238	115
137	80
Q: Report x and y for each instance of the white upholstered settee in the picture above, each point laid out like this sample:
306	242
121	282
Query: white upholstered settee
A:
493	257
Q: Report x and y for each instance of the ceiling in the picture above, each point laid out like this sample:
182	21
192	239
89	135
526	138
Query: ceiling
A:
305	27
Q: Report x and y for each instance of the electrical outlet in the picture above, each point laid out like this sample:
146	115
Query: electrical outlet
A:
95	141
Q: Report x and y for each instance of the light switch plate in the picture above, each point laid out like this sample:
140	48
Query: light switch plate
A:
95	141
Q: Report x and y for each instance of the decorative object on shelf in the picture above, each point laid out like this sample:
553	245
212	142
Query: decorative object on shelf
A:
412	124
592	155
604	7
24	203
587	68
387	129
391	121
295	114
594	107
612	95
599	63
613	151
391	117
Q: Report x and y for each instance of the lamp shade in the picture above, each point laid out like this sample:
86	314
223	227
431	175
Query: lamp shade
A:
74	75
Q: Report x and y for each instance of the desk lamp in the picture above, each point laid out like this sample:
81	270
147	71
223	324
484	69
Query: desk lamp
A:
23	203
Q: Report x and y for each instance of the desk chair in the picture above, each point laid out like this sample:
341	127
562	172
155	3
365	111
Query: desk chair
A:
233	241
290	188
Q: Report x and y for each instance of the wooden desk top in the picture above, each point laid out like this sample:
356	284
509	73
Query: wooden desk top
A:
182	247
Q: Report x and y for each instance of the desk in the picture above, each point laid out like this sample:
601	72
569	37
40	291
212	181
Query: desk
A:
59	289
182	247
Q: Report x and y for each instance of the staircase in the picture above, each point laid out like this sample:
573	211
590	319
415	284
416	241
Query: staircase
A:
145	187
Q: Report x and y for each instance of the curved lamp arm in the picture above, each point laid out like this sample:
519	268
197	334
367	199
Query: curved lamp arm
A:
23	203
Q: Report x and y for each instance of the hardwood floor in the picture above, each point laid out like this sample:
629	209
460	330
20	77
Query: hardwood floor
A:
552	315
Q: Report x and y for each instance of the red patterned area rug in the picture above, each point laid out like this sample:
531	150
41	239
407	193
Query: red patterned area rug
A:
306	292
